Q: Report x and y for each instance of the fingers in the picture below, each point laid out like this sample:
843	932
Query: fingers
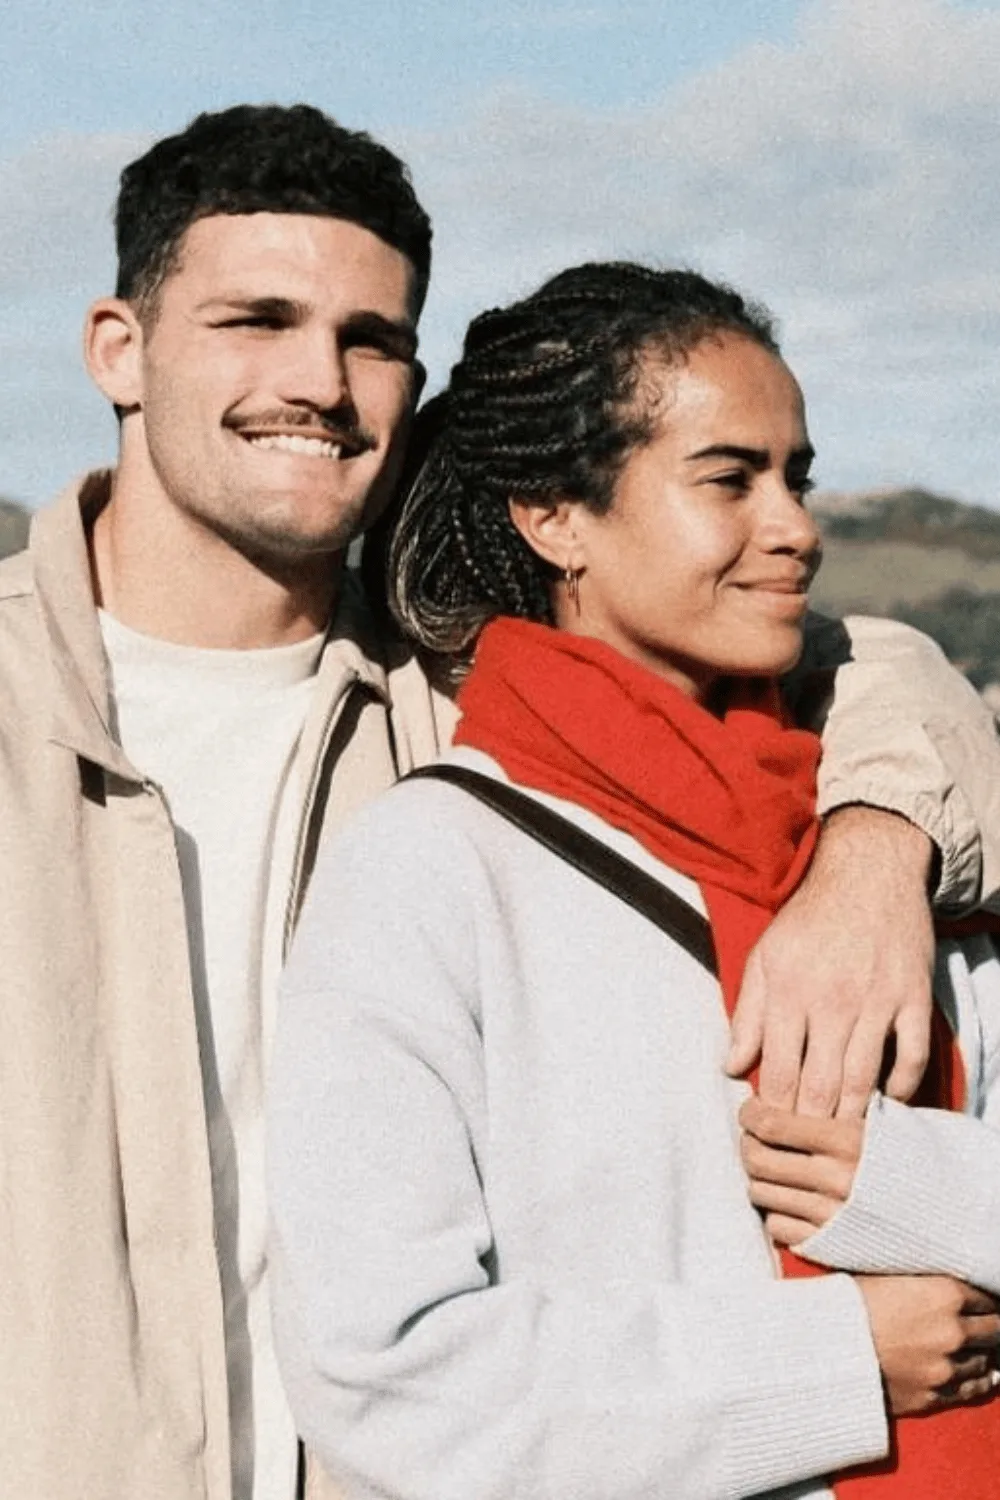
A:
804	1208
775	1127
976	1389
974	1373
977	1386
845	963
981	1331
822	1076
974	1301
781	1062
972	1367
747	1025
912	1053
800	1169
862	1065
786	1230
765	1165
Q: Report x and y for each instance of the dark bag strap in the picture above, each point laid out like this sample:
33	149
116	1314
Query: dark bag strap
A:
660	905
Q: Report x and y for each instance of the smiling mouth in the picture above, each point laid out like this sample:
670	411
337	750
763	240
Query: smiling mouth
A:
781	591
791	586
307	447
784	597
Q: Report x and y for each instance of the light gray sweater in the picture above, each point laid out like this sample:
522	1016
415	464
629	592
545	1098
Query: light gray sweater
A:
514	1255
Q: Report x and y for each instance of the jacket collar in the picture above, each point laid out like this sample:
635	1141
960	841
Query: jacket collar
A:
81	691
352	643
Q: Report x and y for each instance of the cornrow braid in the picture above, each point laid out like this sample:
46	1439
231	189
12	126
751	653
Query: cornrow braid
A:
544	404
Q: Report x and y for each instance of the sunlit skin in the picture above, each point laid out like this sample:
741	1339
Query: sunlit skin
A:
700	567
801	1170
271	327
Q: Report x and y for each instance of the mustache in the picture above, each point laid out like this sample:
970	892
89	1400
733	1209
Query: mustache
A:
341	427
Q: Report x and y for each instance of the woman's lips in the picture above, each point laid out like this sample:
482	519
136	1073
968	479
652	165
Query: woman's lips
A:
784	595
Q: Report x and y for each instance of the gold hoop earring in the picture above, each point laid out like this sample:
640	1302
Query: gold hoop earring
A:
571	577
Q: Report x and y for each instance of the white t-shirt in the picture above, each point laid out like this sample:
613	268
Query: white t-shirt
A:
218	730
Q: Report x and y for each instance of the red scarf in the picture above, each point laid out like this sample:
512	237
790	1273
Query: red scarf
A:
730	802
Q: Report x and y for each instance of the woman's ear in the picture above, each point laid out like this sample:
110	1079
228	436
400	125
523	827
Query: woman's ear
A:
112	349
549	528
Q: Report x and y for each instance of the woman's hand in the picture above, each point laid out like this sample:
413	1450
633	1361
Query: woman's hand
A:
801	1169
936	1340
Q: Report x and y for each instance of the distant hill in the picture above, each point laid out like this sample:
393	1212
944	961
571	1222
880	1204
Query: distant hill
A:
918	557
14	522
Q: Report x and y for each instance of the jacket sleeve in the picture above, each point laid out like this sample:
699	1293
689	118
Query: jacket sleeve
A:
903	730
415	1370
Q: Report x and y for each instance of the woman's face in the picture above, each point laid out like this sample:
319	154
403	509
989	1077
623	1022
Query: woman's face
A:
699	568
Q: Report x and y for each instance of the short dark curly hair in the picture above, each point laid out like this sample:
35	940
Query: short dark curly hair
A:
545	402
260	158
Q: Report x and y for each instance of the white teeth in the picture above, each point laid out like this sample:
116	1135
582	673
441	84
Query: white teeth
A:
295	443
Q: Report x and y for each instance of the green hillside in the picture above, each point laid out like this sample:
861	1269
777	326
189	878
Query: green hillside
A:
14	521
911	516
918	557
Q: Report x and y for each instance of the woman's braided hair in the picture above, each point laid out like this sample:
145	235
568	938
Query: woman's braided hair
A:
545	402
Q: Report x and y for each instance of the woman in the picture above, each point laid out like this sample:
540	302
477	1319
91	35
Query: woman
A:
515	1254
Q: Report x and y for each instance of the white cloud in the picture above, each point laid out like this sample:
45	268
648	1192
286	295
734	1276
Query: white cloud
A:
846	176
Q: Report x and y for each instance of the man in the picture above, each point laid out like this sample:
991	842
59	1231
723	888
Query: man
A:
191	691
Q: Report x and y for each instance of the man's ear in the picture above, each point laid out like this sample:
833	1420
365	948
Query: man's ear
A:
549	528
112	350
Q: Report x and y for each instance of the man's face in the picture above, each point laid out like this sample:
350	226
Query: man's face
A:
277	379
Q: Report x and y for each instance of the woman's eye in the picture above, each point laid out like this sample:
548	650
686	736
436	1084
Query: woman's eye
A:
735	479
803	487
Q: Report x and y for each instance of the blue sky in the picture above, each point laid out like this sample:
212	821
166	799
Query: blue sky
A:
836	157
115	65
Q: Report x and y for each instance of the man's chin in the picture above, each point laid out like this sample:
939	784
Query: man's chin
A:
282	542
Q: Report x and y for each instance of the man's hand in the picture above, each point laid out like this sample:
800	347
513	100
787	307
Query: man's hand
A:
801	1170
845	965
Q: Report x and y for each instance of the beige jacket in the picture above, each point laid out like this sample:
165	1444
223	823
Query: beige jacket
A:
112	1363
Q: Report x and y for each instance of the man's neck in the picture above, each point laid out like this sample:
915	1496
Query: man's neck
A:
163	574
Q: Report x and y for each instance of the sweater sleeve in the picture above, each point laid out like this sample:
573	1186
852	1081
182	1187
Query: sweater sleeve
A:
415	1369
926	1198
904	731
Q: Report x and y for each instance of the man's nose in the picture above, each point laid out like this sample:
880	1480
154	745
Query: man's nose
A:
315	371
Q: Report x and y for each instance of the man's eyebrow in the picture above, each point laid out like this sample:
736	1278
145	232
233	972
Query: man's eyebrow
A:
259	307
757	458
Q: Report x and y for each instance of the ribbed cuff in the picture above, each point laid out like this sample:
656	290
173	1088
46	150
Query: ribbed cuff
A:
926	1198
810	1398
